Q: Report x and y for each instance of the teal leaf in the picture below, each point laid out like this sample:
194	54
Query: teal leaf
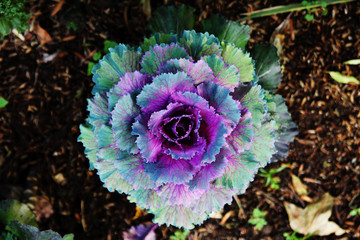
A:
241	137
239	172
227	30
200	44
213	199
123	117
219	98
235	56
225	76
179	194
342	78
131	168
254	101
98	110
145	198
24	231
263	145
27	232
178	216
267	66
172	19
88	139
157	56
113	65
13	210
200	71
3	102
286	129
111	178
155	96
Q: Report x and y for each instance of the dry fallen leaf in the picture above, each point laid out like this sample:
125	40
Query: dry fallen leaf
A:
139	213
314	218
43	208
58	7
299	187
42	34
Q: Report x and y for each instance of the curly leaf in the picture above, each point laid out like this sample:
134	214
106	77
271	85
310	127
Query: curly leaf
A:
235	56
239	172
200	44
111	178
114	65
88	139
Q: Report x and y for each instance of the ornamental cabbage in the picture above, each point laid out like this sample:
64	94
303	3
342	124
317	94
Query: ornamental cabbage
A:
183	122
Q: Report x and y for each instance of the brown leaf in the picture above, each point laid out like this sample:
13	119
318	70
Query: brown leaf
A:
57	7
43	208
42	34
314	218
299	187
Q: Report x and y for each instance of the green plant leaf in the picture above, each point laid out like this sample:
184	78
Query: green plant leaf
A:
309	17
229	31
13	210
288	8
342	78
172	19
69	236
90	67
97	56
179	235
3	102
267	66
353	62
109	44
354	212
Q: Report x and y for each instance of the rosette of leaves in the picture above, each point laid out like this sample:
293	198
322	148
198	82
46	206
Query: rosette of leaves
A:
13	15
183	122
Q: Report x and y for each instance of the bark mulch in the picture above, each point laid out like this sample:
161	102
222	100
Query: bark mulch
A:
41	162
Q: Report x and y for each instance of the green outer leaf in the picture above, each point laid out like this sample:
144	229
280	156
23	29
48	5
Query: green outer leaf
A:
235	56
3	102
267	66
157	38
226	30
87	138
254	101
353	62
342	78
287	8
11	210
172	19
264	143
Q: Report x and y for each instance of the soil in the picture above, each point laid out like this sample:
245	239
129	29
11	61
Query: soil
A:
45	80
